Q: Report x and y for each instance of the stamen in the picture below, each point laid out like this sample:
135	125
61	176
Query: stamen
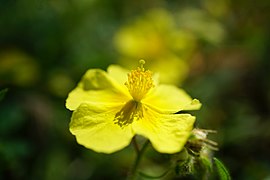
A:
142	62
130	112
139	82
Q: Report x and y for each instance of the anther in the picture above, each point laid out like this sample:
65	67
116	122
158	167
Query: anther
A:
139	82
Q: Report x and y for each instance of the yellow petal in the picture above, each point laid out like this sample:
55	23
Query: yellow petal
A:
96	87
95	129
194	105
170	99
118	73
167	133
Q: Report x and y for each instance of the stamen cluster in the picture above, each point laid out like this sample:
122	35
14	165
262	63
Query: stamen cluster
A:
139	83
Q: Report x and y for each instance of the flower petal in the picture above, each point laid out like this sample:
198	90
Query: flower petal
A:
95	129
96	87
170	99
167	133
118	73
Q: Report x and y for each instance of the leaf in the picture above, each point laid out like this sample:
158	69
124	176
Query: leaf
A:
3	93
222	170
154	177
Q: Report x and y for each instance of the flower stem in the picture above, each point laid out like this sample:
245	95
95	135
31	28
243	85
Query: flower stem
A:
138	158
135	145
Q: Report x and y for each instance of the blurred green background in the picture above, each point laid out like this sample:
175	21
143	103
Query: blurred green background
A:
217	50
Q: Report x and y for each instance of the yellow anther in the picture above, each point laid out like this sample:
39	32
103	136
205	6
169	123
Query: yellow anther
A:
139	82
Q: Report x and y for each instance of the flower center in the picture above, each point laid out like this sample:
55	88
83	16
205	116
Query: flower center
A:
131	111
139	82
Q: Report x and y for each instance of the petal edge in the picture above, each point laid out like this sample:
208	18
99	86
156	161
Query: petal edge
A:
95	129
167	133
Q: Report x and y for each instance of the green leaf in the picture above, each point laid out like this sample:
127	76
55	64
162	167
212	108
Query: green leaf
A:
3	93
154	177
222	170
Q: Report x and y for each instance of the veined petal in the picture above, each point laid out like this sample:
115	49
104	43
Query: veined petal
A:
96	87
170	99
95	129
167	133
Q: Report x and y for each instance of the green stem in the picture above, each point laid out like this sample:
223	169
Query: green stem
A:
138	158
135	145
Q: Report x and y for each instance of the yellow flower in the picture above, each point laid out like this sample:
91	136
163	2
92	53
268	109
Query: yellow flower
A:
111	107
